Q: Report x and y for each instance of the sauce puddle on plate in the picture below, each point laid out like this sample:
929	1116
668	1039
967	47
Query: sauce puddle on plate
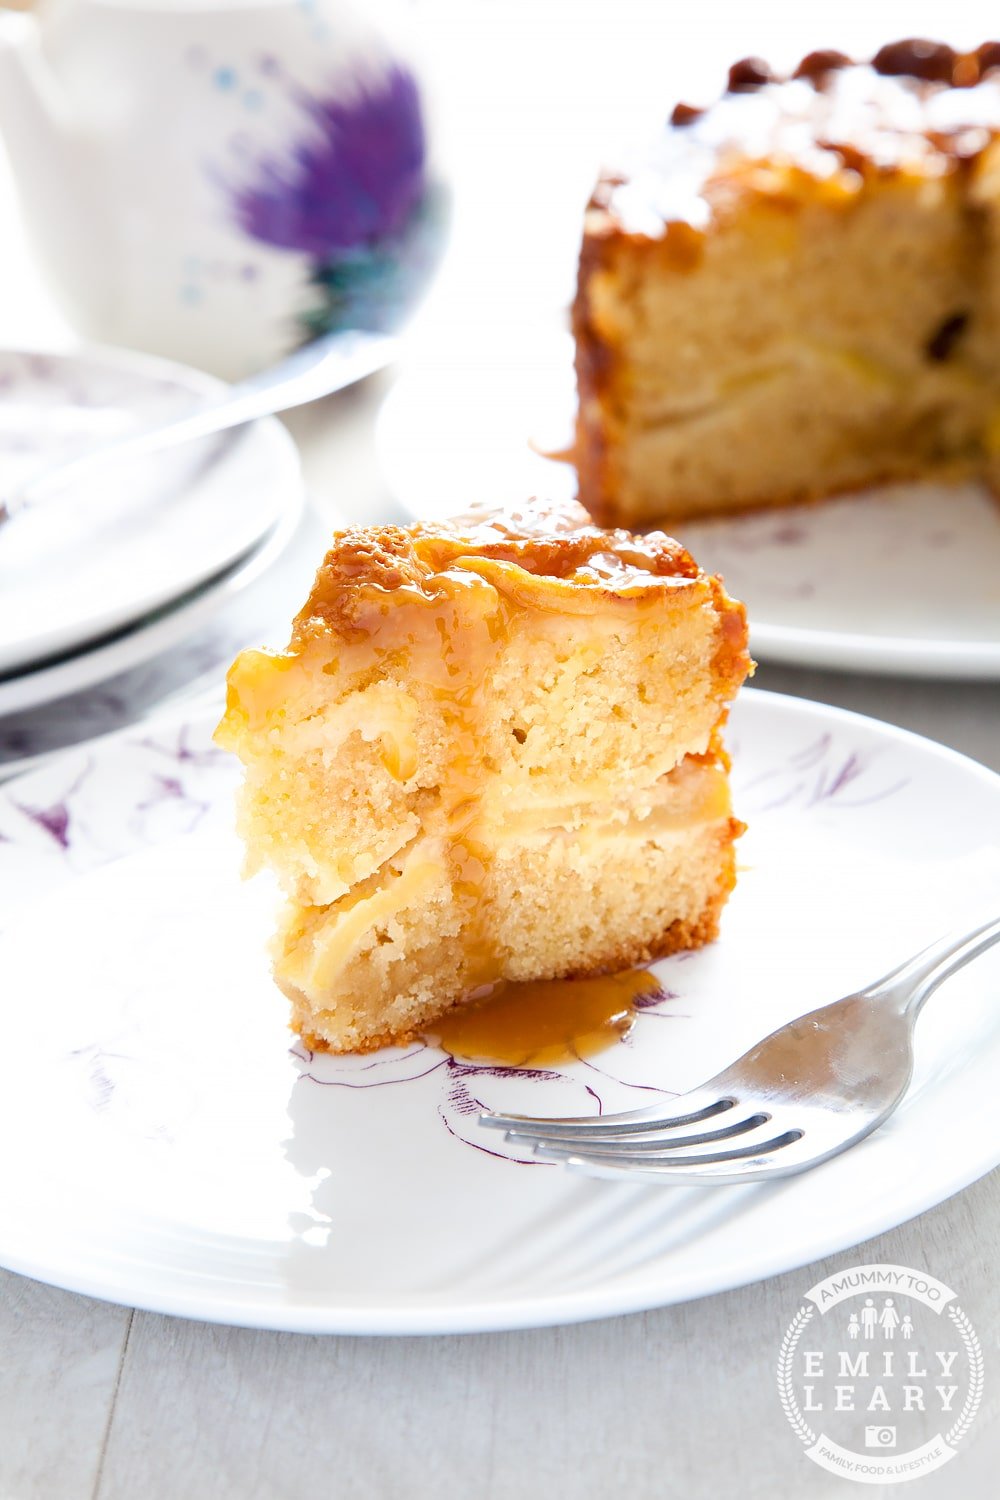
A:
545	1021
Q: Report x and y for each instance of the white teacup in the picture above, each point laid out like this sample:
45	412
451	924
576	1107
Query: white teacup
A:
217	180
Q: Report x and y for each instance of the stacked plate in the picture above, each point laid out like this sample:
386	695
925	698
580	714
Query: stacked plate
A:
123	592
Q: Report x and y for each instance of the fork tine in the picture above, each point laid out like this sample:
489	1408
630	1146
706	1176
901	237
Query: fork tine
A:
700	1104
835	1073
661	1151
660	1138
622	1162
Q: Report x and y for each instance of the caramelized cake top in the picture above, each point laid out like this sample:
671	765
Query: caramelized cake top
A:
542	554
919	108
433	606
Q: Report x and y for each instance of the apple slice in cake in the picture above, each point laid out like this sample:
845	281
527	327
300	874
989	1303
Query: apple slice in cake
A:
491	751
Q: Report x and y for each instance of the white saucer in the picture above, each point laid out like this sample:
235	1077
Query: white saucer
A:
147	532
903	580
153	636
170	1148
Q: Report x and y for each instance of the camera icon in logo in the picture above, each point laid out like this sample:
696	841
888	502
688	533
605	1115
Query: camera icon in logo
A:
880	1437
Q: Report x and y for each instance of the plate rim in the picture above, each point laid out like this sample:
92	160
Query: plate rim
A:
541	1309
282	447
146	638
976	661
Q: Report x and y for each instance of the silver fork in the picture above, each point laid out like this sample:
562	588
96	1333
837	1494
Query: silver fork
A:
803	1094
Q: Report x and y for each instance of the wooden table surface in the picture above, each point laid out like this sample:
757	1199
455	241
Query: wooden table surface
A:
100	1401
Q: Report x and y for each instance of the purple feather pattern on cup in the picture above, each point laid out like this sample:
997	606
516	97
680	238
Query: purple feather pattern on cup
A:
354	197
355	182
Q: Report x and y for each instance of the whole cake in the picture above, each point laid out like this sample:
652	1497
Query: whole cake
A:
798	290
491	751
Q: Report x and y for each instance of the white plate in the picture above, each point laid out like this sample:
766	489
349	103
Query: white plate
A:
183	653
140	644
117	548
904	579
167	1147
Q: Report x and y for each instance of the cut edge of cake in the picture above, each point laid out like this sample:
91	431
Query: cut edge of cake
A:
800	294
491	751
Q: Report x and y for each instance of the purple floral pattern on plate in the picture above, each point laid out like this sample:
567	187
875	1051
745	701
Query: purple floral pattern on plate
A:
470	1086
80	813
819	772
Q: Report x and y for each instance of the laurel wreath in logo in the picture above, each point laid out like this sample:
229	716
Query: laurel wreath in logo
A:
958	1429
974	1350
786	1390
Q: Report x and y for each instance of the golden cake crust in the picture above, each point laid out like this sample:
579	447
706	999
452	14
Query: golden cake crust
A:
556	543
918	108
549	541
745	185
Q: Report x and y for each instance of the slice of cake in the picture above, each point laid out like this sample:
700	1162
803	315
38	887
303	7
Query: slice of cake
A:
798	290
491	751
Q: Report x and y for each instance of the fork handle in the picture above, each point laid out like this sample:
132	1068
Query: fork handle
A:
318	369
907	987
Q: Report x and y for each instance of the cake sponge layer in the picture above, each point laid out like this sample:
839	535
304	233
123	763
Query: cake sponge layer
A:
796	293
550	903
474	737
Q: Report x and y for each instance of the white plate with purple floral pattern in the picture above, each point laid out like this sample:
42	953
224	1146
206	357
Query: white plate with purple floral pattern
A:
903	579
81	566
169	1145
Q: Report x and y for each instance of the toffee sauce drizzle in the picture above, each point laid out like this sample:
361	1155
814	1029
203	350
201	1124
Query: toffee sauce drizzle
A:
542	1022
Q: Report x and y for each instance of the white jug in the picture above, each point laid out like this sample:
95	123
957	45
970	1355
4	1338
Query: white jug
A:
217	180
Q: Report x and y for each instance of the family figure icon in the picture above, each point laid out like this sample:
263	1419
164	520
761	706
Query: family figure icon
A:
871	1319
